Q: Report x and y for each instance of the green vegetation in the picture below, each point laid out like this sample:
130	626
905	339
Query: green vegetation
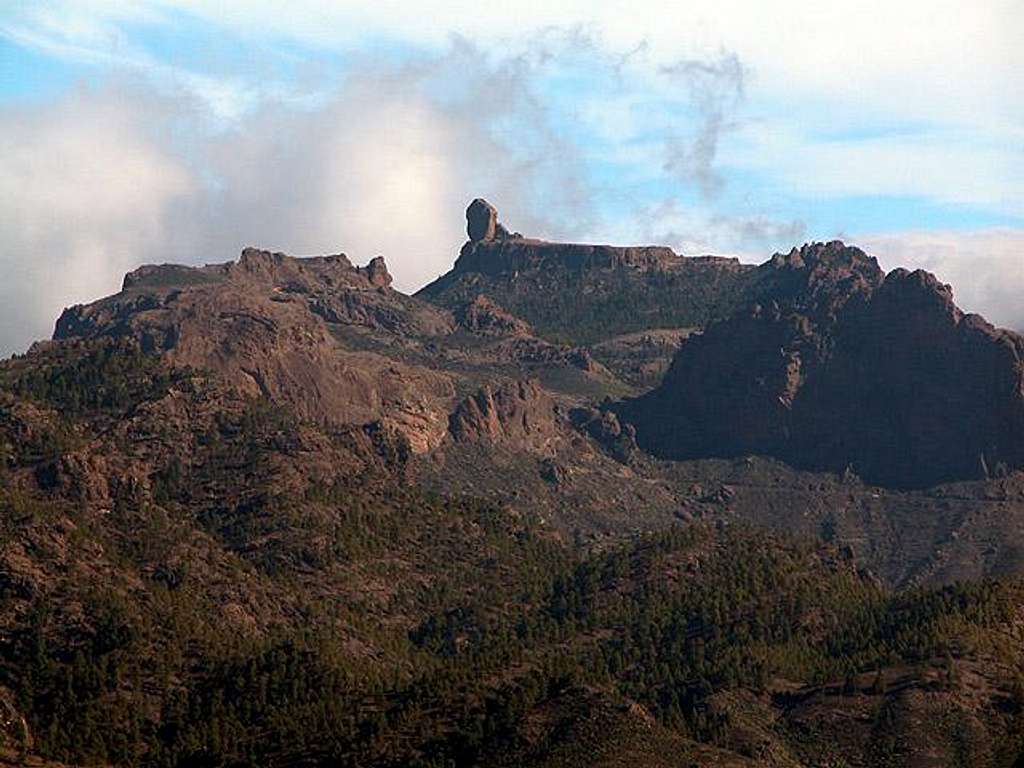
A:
156	681
582	307
258	591
106	376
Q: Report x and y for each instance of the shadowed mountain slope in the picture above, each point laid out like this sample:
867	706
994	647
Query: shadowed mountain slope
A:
584	294
835	365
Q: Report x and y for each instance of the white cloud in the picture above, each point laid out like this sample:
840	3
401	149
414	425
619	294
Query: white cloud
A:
947	61
934	59
947	70
107	179
697	231
83	192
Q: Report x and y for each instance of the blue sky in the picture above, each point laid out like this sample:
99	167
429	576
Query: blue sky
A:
141	131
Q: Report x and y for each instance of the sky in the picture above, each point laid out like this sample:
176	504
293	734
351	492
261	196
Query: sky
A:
142	131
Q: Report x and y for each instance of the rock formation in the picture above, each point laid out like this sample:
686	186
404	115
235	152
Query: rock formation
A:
481	220
483	316
377	272
603	425
836	365
268	323
816	357
627	288
519	411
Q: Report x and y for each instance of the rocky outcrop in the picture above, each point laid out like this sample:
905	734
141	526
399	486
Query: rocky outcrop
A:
511	340
603	425
268	324
377	273
837	366
518	412
582	293
484	317
482	222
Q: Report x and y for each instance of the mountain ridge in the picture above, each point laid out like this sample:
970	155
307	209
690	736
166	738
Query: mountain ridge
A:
275	512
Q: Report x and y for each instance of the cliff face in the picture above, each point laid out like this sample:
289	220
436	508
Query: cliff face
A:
835	365
731	389
518	254
518	412
267	324
916	392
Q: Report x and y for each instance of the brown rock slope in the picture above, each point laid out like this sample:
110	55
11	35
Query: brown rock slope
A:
470	391
265	324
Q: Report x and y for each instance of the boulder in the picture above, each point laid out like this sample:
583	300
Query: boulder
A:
481	220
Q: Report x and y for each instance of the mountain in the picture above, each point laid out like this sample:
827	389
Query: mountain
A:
835	364
584	294
275	512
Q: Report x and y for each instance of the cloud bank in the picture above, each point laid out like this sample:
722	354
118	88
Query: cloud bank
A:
83	192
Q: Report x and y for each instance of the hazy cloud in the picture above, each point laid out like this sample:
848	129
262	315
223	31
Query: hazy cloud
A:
106	179
84	190
715	88
695	231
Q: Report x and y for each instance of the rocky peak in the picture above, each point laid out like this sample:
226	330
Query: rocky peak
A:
834	254
482	222
835	364
377	272
260	264
307	274
919	290
818	279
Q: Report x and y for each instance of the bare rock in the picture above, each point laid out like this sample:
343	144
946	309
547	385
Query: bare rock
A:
483	316
268	324
518	412
836	364
619	440
481	220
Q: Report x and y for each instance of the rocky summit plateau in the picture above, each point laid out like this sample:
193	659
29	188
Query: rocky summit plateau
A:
567	505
